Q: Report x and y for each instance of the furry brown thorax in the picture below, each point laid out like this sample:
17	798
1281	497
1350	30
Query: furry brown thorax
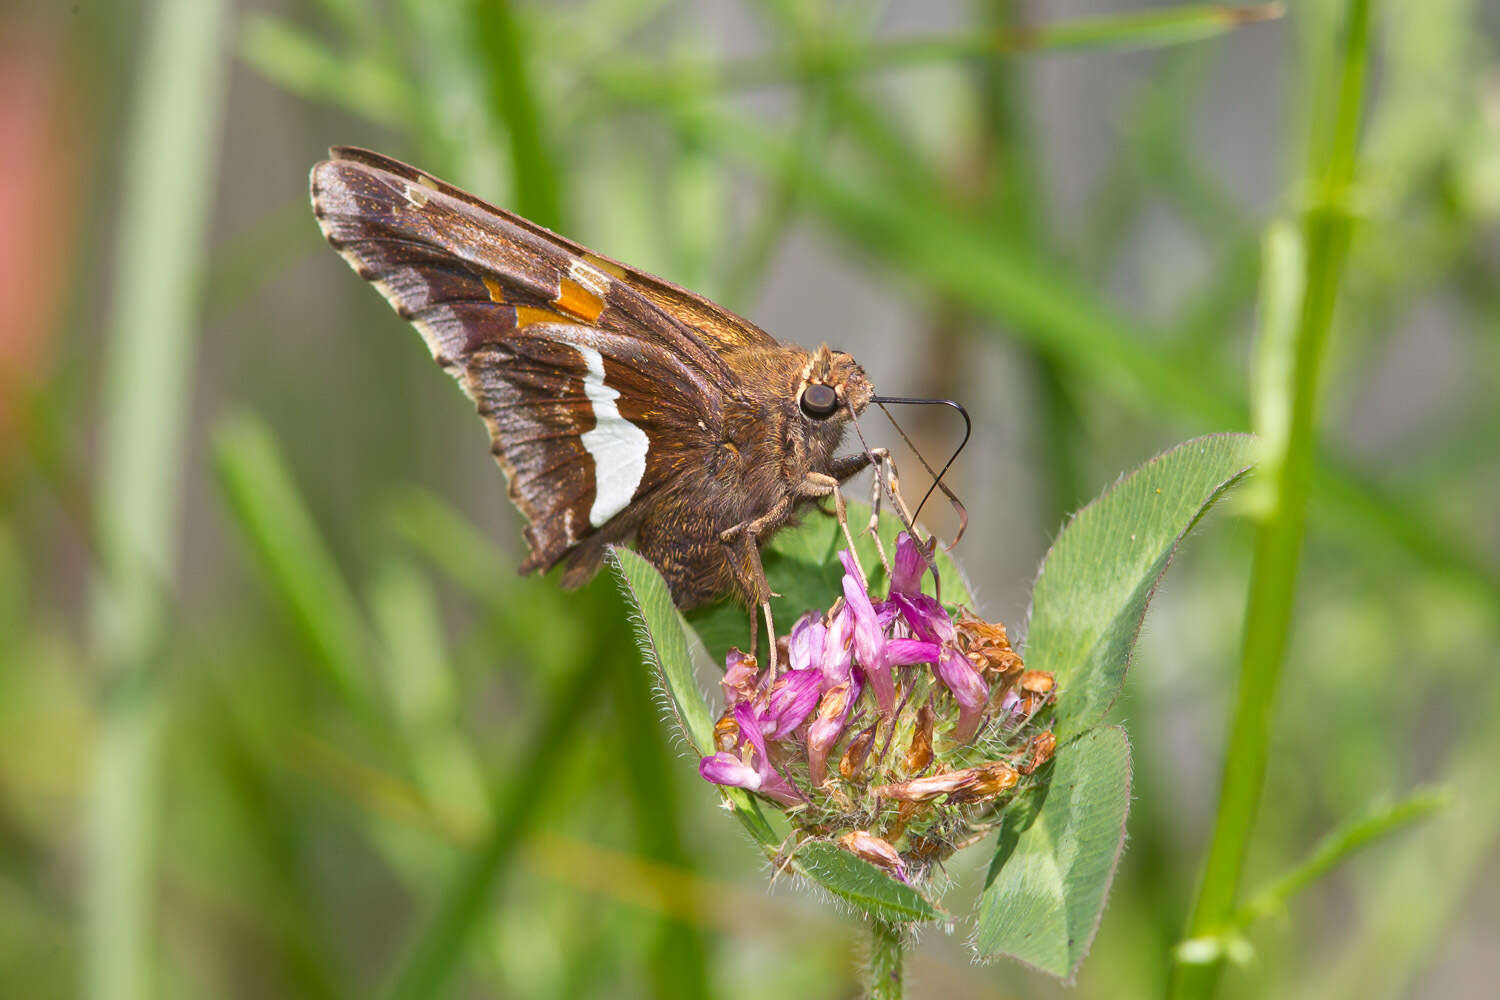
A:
769	446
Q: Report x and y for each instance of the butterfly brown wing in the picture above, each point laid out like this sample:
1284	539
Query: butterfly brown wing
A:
595	397
708	321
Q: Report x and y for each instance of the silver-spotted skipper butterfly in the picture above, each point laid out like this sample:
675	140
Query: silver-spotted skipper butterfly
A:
621	406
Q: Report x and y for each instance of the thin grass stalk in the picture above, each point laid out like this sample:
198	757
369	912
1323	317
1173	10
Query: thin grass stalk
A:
168	176
1326	230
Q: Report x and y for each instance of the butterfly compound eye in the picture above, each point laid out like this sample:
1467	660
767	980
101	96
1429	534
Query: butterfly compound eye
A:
819	401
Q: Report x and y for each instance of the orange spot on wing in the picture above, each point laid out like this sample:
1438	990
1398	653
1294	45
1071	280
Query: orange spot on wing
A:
574	299
527	315
496	293
607	266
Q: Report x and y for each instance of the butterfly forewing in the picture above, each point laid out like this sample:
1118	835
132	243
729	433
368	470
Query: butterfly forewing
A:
595	397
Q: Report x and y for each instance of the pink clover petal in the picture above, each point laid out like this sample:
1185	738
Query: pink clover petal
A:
752	726
740	677
906	573
727	769
851	568
805	644
904	652
838	652
883	683
927	617
827	726
795	695
868	635
969	690
773	785
821	736
752	732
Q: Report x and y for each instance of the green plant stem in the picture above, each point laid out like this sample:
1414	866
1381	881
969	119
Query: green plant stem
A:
886	953
1326	228
168	178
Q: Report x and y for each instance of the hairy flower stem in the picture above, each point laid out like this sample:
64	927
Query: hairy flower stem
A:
885	960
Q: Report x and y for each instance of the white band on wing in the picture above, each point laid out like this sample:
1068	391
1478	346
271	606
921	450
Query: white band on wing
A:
617	446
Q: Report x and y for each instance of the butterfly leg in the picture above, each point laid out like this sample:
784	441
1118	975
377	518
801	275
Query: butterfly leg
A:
743	540
892	482
819	485
880	458
765	609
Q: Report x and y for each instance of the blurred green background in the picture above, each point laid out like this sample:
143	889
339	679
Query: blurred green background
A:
280	719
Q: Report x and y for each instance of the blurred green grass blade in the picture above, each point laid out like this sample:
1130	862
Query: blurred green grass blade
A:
268	508
167	191
429	965
275	243
421	689
265	819
756	251
352	16
450	542
1217	304
497	32
1327	231
1135	29
1337	847
361	83
1056	859
1139	29
1092	592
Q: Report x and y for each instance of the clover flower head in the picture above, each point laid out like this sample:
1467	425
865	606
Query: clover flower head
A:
897	728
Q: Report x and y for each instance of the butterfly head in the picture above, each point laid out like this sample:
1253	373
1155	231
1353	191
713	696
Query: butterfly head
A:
831	387
830	390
